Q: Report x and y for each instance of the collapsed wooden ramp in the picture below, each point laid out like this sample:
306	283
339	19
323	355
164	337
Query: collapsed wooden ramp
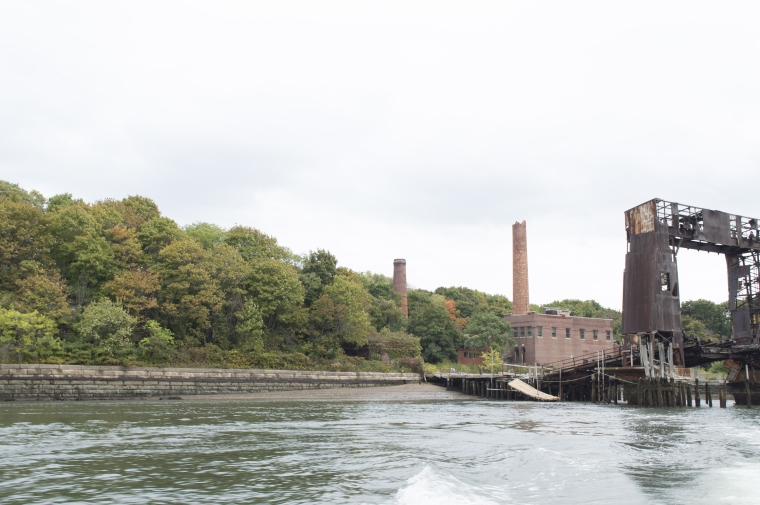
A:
527	390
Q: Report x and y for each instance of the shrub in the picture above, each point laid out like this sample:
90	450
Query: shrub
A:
107	325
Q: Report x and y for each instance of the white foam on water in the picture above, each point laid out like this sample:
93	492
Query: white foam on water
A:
430	487
736	484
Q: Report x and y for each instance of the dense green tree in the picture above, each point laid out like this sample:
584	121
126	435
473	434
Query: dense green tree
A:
274	287
136	291
107	325
488	329
24	236
430	321
249	331
337	318
138	210
12	192
385	307
189	297
29	336
695	328
253	245
81	250
60	202
37	289
158	344
158	233
319	270
470	301
209	235
714	316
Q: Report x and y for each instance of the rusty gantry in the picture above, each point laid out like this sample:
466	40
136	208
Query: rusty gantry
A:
657	230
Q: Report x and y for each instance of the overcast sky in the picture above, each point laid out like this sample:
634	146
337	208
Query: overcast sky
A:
417	130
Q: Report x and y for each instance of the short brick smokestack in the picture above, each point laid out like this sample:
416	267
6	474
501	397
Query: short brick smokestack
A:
520	303
399	283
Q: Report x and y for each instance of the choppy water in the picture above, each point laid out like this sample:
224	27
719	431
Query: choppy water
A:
471	452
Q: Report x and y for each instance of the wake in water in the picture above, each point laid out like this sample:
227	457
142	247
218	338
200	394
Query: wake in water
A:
431	487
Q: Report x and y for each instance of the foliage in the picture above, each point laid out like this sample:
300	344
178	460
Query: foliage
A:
116	282
394	344
207	234
107	325
319	270
27	336
492	360
158	344
590	308
430	321
488	329
469	301
696	328
338	317
714	316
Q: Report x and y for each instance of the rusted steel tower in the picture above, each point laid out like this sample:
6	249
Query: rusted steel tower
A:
520	301
657	230
399	282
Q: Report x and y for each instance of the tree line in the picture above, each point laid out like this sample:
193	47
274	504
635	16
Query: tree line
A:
117	282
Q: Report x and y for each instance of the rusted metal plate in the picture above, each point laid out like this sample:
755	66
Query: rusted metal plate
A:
716	226
657	230
641	219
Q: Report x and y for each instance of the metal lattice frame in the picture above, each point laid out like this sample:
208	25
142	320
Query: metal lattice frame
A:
686	228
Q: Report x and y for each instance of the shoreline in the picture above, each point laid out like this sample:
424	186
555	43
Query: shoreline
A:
404	392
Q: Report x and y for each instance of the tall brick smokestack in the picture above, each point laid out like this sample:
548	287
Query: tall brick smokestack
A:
399	283
520	303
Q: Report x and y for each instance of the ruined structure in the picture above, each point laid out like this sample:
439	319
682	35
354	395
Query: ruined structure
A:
554	335
399	283
557	335
657	230
520	301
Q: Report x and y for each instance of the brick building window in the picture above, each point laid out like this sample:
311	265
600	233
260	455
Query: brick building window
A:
608	336
596	334
583	334
554	332
522	331
539	331
567	332
530	331
514	332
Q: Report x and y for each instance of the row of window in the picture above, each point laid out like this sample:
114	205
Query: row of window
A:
527	332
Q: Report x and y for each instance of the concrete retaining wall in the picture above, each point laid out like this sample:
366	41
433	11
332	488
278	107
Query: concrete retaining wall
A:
75	382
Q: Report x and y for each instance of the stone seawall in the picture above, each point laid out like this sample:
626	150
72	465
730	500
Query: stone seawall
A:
75	382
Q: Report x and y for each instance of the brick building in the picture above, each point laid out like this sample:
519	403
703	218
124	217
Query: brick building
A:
556	336
471	355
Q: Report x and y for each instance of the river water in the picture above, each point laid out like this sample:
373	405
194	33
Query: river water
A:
390	452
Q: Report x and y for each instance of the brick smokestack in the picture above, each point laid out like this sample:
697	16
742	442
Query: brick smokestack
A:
399	283
520	303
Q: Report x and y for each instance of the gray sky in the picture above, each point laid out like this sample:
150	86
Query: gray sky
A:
380	130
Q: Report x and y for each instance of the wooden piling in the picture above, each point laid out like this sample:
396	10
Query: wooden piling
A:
660	400
697	399
748	392
650	399
688	395
708	394
722	396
